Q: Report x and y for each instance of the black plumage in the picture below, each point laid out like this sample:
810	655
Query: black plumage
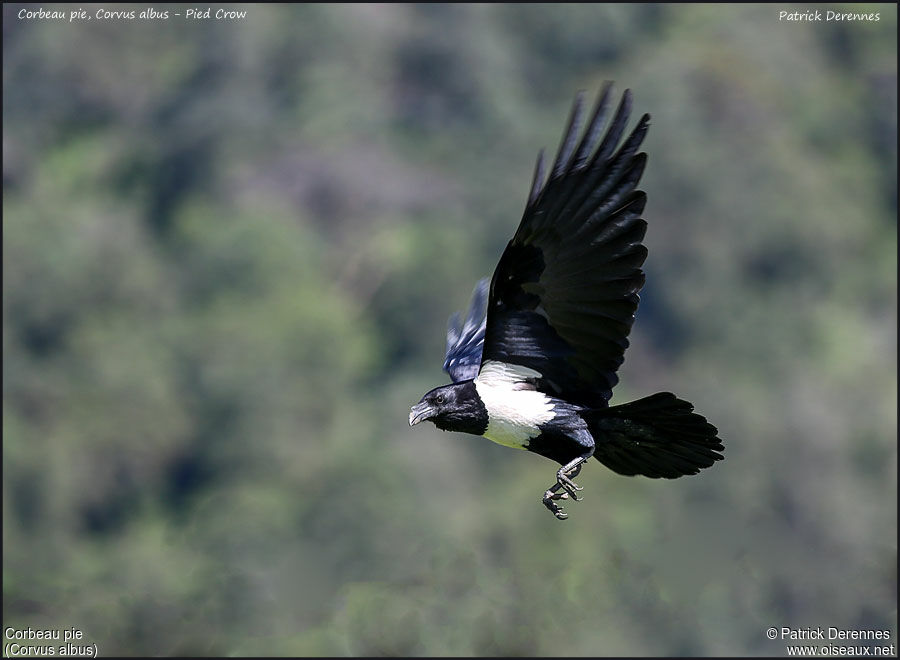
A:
564	294
538	371
465	341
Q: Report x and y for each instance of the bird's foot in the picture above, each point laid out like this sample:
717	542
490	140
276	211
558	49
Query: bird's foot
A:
549	501
565	484
565	481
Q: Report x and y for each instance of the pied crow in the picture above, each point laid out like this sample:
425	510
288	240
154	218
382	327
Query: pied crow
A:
534	362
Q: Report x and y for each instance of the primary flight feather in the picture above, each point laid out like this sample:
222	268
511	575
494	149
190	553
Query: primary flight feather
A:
534	362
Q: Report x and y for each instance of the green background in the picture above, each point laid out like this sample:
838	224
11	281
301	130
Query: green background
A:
230	249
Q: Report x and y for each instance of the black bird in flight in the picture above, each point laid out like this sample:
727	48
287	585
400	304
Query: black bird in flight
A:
537	371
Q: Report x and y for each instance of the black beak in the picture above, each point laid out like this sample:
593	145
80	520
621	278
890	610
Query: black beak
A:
419	413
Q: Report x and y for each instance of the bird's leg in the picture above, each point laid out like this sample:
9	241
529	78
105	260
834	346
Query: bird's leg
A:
564	482
569	471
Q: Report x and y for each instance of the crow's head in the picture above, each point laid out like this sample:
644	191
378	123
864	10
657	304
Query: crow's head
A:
455	407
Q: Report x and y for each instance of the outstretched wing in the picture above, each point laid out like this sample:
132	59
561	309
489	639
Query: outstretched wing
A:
465	341
564	293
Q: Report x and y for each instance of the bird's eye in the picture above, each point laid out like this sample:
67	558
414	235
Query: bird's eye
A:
440	398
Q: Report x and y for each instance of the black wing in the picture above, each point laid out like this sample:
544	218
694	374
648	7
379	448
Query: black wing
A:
564	293
464	342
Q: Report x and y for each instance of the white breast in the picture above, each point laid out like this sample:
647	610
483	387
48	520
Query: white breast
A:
513	413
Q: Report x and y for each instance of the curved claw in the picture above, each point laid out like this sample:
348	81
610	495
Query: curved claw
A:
554	508
570	486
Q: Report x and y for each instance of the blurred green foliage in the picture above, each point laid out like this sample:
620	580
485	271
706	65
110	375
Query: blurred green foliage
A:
230	248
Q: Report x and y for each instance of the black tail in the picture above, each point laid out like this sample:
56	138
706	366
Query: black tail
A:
657	436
